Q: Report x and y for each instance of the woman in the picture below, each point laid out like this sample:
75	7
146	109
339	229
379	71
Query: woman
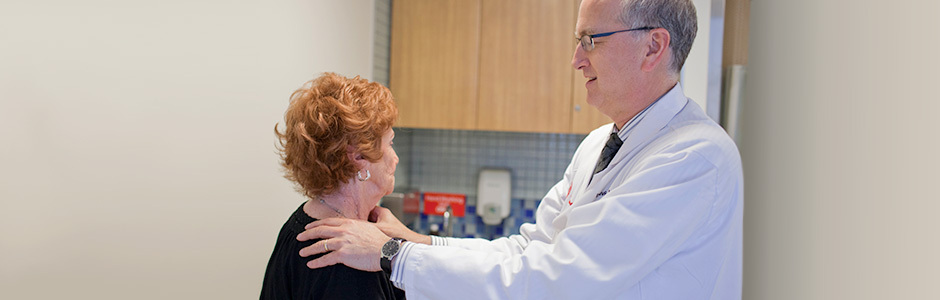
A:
337	147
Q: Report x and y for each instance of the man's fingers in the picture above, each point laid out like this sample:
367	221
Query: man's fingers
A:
329	259
319	232
318	247
378	213
327	221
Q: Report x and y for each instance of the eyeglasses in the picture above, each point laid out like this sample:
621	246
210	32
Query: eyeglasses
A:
587	41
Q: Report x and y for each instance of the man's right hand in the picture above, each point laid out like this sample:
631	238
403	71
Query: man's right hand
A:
391	226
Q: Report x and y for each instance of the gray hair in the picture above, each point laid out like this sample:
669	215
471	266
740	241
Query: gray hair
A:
676	16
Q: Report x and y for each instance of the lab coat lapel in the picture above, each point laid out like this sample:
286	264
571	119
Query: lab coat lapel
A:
584	189
581	191
584	161
652	123
586	169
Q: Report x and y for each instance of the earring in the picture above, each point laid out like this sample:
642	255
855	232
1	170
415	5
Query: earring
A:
359	175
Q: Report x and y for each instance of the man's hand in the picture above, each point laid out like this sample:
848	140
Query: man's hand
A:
354	243
391	226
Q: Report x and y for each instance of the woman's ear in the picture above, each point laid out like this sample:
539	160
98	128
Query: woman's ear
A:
356	157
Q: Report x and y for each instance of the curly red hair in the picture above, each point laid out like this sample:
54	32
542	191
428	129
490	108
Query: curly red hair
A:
327	117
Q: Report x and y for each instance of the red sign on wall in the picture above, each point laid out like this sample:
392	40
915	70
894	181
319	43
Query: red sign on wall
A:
436	203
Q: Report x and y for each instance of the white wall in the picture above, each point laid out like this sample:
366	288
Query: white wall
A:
136	140
695	70
840	149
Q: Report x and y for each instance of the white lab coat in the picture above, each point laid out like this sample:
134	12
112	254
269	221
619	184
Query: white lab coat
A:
663	221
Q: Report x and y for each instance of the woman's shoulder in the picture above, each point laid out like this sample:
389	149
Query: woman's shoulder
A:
297	220
287	271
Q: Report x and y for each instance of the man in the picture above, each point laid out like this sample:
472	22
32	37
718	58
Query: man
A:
649	208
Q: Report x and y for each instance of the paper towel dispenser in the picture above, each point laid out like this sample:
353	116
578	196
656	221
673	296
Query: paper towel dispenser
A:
493	195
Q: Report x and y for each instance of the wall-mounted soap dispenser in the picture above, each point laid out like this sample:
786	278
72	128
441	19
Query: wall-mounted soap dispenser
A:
493	195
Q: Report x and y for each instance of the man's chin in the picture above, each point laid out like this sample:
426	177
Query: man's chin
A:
593	101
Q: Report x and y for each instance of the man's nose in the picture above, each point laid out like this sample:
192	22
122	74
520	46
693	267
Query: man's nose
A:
579	60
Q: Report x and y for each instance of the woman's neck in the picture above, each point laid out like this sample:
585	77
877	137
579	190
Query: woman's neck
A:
347	202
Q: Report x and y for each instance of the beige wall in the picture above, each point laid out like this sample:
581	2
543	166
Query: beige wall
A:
136	140
136	146
840	148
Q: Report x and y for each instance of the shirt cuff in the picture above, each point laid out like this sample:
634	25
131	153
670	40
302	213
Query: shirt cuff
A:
398	263
438	241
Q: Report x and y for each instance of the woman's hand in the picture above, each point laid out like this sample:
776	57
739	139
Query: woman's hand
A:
391	226
354	243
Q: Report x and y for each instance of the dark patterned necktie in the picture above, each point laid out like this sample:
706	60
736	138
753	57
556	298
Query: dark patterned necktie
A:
610	149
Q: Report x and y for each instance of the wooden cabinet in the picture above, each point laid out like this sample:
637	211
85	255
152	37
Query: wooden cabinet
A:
435	52
584	117
525	65
488	65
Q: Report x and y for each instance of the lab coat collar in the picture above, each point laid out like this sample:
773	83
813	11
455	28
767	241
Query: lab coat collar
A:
656	118
584	188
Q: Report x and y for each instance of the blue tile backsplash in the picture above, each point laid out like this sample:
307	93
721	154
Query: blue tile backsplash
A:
450	161
472	226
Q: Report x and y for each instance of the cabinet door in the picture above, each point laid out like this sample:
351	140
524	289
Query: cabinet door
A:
434	62
525	65
584	117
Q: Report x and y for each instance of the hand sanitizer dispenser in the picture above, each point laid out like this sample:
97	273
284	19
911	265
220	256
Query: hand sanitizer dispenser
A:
493	194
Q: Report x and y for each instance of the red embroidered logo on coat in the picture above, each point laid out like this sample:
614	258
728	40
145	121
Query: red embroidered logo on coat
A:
569	194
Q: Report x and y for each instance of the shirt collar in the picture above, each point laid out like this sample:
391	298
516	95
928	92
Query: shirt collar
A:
623	133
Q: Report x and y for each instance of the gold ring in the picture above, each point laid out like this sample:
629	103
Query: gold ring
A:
325	247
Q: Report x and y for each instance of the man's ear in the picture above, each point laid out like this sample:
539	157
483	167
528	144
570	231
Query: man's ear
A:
657	48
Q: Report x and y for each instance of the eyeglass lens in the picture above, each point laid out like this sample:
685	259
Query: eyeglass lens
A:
587	43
